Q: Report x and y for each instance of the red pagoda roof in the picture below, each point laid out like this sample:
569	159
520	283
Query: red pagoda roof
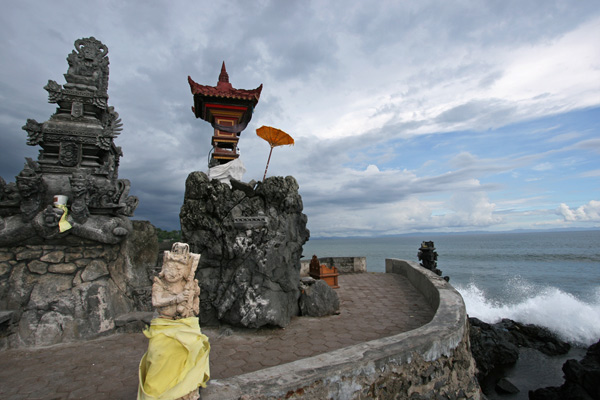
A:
224	89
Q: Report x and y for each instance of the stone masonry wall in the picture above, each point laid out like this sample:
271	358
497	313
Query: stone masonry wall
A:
73	289
447	377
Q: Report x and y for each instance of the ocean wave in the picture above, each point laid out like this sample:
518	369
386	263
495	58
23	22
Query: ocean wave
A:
572	319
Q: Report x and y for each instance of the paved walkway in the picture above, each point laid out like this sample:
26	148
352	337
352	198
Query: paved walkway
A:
372	306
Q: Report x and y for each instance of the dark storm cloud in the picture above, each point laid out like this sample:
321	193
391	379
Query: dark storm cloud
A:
353	82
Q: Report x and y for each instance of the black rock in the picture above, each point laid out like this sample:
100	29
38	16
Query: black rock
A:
535	337
582	379
495	346
549	393
491	347
504	386
251	244
318	299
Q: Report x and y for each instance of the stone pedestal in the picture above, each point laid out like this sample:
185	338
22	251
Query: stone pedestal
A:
251	242
73	289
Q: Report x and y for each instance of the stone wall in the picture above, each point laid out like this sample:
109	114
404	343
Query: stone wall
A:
430	362
345	265
74	288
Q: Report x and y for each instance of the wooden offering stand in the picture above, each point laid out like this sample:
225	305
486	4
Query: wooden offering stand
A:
320	271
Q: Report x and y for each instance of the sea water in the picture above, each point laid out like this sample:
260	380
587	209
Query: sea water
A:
550	279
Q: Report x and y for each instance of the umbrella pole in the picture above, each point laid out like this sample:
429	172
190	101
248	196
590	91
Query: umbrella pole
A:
270	152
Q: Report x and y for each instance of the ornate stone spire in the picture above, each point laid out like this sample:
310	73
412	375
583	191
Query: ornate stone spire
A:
78	160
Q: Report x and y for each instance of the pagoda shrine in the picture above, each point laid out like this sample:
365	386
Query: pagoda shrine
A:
228	110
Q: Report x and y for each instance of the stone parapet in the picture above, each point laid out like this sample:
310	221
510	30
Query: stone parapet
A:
433	361
345	265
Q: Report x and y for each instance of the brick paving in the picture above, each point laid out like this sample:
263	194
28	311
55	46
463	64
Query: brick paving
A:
372	306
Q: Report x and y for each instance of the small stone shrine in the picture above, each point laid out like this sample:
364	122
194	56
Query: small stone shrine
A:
78	160
176	363
71	260
428	257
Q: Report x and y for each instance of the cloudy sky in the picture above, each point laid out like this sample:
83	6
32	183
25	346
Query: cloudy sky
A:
408	115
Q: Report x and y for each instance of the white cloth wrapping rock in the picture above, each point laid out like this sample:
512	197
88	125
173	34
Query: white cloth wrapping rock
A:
233	169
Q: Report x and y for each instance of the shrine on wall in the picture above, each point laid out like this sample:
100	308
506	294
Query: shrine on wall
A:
228	110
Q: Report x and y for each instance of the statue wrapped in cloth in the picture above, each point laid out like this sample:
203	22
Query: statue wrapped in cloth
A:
176	363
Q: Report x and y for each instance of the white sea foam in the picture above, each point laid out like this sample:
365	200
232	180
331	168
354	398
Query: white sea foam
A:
572	319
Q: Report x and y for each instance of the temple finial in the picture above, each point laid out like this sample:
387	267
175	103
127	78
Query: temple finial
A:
223	76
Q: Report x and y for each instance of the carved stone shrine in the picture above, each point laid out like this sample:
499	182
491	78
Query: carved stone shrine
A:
78	160
72	263
228	110
428	257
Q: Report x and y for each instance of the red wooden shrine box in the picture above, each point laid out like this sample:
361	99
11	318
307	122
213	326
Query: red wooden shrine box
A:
321	271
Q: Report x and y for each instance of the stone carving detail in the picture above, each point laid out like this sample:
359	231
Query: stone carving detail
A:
54	91
80	185
251	244
34	132
31	189
78	159
88	66
69	154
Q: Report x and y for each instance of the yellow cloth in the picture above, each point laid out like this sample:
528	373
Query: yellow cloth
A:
176	362
63	224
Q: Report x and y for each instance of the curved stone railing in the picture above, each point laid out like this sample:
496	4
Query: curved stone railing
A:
434	358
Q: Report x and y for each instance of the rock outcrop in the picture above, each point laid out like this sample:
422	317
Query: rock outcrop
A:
497	345
250	238
317	298
582	379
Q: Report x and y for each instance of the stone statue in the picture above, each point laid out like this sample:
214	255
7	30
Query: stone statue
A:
175	292
176	363
31	189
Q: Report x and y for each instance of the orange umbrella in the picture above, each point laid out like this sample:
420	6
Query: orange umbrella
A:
275	137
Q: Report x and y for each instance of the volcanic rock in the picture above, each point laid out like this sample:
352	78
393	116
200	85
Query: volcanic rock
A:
318	299
251	244
491	347
582	379
497	345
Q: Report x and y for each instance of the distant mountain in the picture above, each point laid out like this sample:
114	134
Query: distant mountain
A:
414	234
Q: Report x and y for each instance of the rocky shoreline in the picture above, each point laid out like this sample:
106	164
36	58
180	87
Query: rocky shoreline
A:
498	346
